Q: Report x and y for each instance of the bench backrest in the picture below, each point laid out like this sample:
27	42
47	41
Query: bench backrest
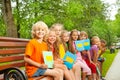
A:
12	52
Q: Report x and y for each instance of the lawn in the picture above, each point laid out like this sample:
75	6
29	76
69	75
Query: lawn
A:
109	59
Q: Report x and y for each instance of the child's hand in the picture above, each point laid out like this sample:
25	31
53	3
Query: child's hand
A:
59	61
44	66
60	66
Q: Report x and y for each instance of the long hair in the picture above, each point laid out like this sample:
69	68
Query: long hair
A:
71	48
64	43
55	46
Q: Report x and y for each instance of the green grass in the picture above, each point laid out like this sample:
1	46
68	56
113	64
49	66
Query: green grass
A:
109	59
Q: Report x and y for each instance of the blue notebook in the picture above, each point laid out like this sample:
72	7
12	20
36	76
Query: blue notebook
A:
86	44
82	45
69	59
79	45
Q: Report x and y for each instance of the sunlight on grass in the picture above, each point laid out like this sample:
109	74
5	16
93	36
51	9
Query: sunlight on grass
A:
109	59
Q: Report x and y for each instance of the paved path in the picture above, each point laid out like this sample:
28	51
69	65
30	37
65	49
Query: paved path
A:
114	71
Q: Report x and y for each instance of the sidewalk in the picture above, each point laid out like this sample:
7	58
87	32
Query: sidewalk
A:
114	71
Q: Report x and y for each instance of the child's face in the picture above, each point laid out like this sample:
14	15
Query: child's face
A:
52	37
83	37
58	30
103	44
74	36
65	37
97	42
40	32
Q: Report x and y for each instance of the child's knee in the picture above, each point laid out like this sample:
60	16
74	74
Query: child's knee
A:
77	66
61	72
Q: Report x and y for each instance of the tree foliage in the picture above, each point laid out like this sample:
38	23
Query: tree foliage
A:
88	15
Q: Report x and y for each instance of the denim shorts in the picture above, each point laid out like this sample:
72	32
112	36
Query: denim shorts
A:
39	72
101	59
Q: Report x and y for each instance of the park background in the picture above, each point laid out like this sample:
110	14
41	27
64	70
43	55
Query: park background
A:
93	16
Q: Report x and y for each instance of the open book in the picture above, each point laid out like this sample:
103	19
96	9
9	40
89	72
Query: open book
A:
82	44
69	59
48	58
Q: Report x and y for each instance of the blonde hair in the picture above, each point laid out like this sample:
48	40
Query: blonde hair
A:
93	38
64	43
63	32
56	25
83	33
39	25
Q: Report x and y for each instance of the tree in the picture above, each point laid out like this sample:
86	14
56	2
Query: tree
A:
11	29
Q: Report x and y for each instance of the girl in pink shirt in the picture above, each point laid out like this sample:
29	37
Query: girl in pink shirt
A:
86	70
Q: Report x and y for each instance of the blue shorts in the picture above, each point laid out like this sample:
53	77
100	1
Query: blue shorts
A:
101	59
39	72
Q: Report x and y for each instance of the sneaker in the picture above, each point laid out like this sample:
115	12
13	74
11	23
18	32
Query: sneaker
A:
102	78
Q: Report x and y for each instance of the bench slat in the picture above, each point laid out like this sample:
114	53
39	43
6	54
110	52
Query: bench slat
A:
13	39
11	58
17	64
12	51
12	44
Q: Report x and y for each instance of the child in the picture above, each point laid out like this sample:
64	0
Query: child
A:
102	49
76	70
34	63
72	48
86	55
95	43
57	27
53	46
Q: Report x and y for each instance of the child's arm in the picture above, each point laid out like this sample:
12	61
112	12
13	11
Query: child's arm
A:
102	51
29	61
95	56
89	57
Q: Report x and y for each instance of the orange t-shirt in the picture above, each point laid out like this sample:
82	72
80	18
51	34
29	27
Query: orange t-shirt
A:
34	51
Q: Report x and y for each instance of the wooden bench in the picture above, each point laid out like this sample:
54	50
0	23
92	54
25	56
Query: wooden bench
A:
12	58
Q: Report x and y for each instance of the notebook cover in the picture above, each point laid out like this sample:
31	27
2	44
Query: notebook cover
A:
69	59
48	58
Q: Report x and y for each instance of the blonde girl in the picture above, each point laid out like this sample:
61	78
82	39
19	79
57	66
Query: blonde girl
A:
57	27
72	48
53	46
94	50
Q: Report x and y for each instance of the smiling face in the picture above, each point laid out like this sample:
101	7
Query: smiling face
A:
74	35
51	37
40	33
96	41
57	27
83	35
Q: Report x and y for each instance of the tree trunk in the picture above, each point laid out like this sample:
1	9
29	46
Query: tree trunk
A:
11	29
18	18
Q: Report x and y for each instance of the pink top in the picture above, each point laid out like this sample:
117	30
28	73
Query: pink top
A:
78	54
